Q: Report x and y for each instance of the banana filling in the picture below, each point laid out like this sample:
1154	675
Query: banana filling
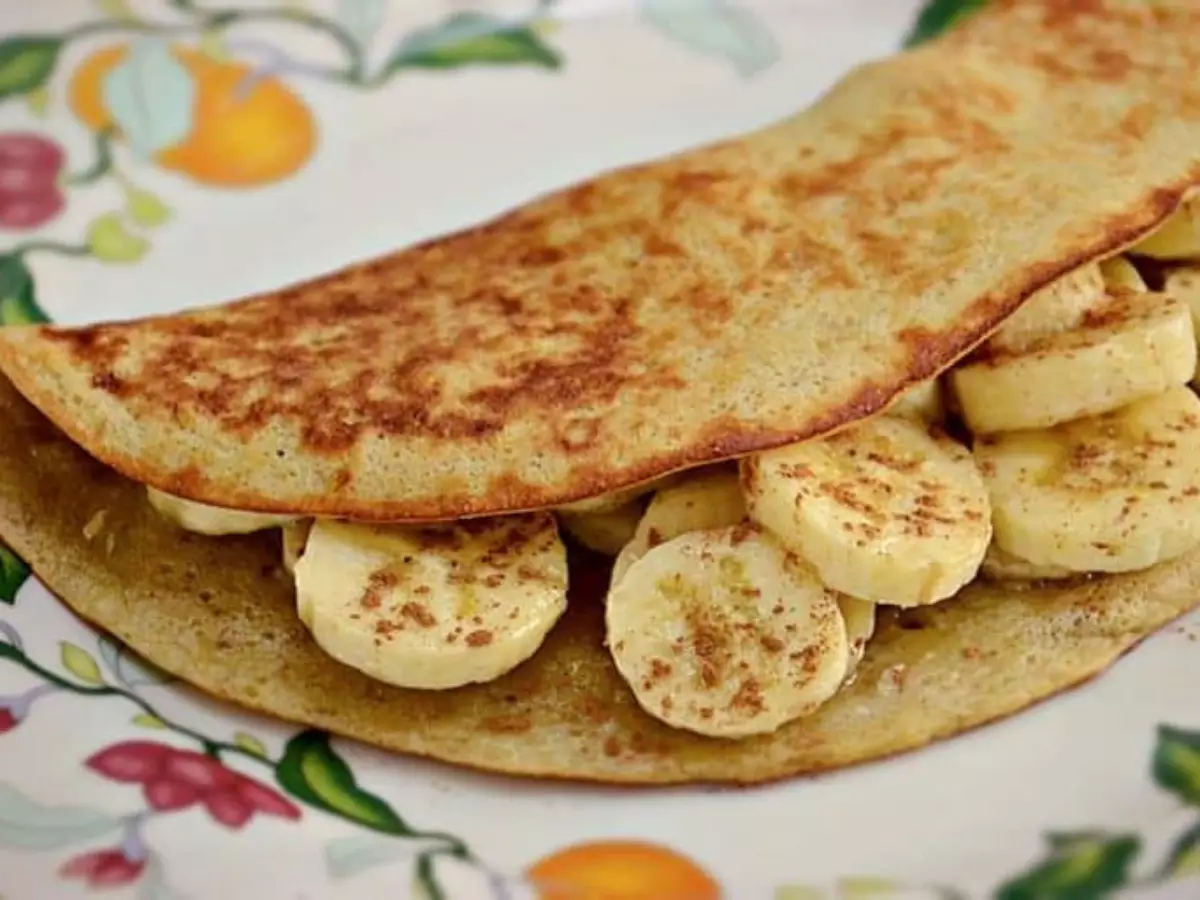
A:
744	596
1177	239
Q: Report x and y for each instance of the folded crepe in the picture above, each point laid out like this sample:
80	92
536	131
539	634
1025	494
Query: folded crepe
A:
744	300
221	614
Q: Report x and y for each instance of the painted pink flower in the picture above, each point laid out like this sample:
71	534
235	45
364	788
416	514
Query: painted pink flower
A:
30	165
174	779
103	868
233	807
131	762
7	720
164	795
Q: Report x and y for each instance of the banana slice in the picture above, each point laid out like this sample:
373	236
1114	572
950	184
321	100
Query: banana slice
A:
1114	493
1058	307
1120	274
212	520
709	499
884	511
725	633
1184	285
1133	346
923	402
433	607
604	532
616	499
999	565
295	538
860	628
1177	238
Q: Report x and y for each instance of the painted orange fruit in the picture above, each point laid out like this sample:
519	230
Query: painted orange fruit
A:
621	870
246	130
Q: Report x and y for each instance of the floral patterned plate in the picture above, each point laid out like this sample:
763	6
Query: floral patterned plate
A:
157	154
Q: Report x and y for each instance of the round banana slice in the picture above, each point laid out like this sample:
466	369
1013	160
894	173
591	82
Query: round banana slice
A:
1059	306
860	628
604	532
884	511
295	538
725	633
708	499
1135	345
1121	275
433	607
1001	566
212	520
1113	493
1177	238
922	402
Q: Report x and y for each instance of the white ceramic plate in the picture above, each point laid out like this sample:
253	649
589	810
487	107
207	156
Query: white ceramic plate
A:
385	123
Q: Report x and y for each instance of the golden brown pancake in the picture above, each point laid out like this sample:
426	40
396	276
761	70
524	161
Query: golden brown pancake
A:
745	295
219	613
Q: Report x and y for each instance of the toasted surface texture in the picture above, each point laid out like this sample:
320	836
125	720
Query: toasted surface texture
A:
734	298
219	612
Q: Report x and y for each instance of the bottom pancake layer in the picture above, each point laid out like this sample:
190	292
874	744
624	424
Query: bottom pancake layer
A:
219	613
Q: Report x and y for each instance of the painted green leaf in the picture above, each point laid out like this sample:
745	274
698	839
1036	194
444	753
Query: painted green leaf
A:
250	744
110	241
151	95
1176	763
26	63
939	15
719	28
18	306
13	574
469	39
37	102
798	892
1084	866
212	44
116	9
1184	859
312	771
867	888
145	208
361	18
80	663
146	720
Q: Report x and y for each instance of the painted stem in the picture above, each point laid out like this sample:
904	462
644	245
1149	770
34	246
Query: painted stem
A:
102	161
427	877
104	690
132	843
14	639
122	26
276	62
56	247
355	72
450	845
542	8
217	19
